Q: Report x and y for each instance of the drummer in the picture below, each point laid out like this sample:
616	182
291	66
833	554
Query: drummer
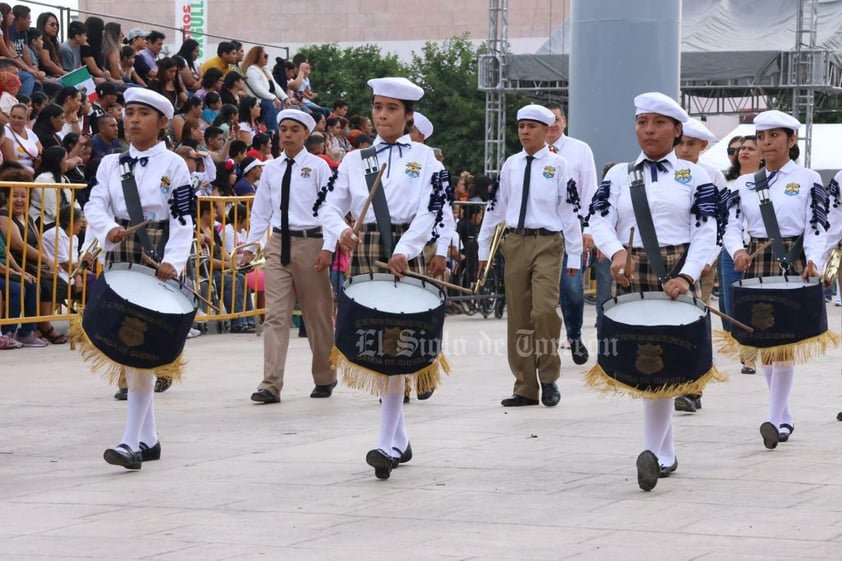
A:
416	195
799	201
297	255
537	201
164	187
682	203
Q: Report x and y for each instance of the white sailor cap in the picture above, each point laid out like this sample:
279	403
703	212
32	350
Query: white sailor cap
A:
299	116
149	98
423	124
656	102
537	113
694	128
252	164
775	119
397	88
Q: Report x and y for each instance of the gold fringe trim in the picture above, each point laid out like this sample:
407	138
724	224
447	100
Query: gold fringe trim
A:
365	379
113	371
794	353
598	379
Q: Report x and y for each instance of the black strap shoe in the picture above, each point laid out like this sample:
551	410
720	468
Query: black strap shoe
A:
770	435
123	455
381	462
648	470
265	396
518	401
405	456
122	394
783	435
325	390
666	471
685	403
150	453
425	395
162	384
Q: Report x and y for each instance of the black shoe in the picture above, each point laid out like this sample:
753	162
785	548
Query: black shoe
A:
518	401
122	455
150	454
243	328
406	398
839	416
122	394
579	351
648	470
685	403
162	384
405	456
747	370
550	396
425	395
666	471
784	436
698	402
325	390
265	396
381	462
770	435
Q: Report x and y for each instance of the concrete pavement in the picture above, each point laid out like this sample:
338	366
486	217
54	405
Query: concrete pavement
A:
239	481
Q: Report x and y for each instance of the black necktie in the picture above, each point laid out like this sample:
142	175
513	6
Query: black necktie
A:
388	146
655	167
526	173
285	251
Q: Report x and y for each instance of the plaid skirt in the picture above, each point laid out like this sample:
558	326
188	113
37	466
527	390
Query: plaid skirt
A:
369	250
131	250
644	278
765	265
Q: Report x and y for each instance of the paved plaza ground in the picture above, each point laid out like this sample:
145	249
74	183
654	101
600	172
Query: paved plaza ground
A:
239	481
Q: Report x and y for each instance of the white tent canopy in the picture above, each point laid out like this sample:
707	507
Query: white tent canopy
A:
826	155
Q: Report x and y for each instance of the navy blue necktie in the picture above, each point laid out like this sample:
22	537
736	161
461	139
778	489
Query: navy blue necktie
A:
655	167
382	147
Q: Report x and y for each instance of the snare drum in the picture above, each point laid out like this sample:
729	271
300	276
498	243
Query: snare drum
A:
782	310
137	320
652	346
387	327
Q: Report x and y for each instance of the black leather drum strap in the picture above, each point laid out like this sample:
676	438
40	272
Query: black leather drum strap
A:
645	226
770	222
133	205
368	157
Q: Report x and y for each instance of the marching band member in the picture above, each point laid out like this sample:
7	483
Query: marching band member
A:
416	193
287	190
682	204
537	202
166	198
799	204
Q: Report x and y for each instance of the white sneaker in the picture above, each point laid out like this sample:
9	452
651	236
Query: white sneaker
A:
838	302
193	333
8	342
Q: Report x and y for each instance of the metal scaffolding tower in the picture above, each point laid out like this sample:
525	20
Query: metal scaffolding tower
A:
805	70
491	76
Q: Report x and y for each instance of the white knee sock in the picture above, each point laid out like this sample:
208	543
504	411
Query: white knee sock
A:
149	432
391	414
767	373
780	388
657	429
139	400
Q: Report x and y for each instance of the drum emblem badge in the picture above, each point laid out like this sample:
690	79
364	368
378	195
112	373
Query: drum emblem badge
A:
683	175
549	172
305	172
649	359
390	341
792	189
762	316
131	332
413	170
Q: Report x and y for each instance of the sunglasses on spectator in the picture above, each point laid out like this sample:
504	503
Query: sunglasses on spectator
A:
732	151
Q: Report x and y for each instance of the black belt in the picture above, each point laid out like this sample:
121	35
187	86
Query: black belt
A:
311	233
395	227
764	240
531	232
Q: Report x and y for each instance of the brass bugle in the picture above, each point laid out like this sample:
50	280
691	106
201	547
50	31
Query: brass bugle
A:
495	244
258	262
93	249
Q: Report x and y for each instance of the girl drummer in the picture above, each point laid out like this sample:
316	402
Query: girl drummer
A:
800	206
682	203
164	187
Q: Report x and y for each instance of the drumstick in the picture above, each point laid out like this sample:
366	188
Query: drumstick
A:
627	270
154	264
445	284
361	218
760	248
726	317
136	227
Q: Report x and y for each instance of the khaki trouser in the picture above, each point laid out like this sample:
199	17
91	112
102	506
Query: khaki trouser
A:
706	280
532	275
284	284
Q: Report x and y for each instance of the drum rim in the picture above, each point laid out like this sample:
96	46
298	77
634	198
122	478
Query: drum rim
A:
146	270
389	277
777	279
654	295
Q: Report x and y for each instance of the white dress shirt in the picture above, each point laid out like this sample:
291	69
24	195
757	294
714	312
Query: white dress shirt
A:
791	192
546	208
407	184
164	172
56	244
309	174
718	179
581	166
834	215
671	199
